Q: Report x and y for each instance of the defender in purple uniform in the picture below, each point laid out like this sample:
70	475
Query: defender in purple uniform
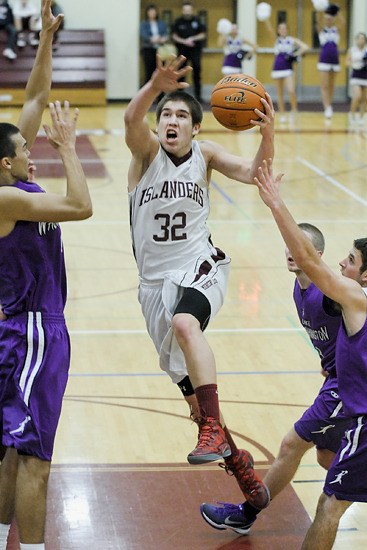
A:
324	423
34	342
346	480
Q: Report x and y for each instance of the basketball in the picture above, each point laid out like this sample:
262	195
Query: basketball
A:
234	99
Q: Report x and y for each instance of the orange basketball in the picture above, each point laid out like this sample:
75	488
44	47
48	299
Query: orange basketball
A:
234	99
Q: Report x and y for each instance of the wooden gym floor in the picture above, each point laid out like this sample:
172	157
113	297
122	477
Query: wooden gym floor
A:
120	479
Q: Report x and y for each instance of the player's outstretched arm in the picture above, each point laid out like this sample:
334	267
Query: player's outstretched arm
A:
346	292
235	167
266	147
75	204
39	82
62	137
164	79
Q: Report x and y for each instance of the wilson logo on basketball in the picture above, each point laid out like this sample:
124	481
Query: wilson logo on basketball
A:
237	97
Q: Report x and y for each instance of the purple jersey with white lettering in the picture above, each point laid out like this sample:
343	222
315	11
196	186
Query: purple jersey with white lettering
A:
351	368
32	268
321	326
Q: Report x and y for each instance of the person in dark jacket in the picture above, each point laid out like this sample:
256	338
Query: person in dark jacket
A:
153	33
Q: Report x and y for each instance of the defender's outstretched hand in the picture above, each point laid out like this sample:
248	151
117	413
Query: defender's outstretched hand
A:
62	133
268	186
166	76
49	21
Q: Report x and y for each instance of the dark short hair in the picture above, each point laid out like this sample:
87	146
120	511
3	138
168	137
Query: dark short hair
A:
7	145
317	238
193	105
361	245
151	7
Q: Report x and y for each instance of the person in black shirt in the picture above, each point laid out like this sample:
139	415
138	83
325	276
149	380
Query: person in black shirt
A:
188	34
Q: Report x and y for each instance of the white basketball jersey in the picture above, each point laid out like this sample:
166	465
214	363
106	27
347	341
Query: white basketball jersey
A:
168	213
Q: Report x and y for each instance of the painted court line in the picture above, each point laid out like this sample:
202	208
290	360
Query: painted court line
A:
103	332
159	373
226	222
332	181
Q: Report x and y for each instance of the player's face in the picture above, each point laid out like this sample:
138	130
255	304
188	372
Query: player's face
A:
19	163
351	265
175	130
291	264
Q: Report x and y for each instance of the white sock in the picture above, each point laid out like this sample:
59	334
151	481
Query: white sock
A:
40	546
4	532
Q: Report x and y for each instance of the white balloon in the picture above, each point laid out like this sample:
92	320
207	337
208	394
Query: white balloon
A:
263	11
320	5
224	26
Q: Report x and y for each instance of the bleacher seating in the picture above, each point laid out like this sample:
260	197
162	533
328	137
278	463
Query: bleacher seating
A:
79	69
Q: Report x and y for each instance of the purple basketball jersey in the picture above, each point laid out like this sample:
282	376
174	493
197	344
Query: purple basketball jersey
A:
321	327
351	368
32	268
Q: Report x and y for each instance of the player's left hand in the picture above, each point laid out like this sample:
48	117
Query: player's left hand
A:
63	131
166	76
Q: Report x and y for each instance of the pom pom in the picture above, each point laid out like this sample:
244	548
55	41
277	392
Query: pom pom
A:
224	26
263	11
320	5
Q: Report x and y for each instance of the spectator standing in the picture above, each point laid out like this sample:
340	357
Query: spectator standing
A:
153	33
188	34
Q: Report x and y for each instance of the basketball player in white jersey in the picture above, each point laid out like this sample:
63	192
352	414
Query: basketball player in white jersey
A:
183	276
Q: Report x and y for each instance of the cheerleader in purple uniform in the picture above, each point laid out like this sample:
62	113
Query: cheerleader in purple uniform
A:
357	60
329	24
236	49
287	50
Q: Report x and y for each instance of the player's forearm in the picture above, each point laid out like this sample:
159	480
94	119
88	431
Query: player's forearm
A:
265	152
141	103
39	82
301	247
77	192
